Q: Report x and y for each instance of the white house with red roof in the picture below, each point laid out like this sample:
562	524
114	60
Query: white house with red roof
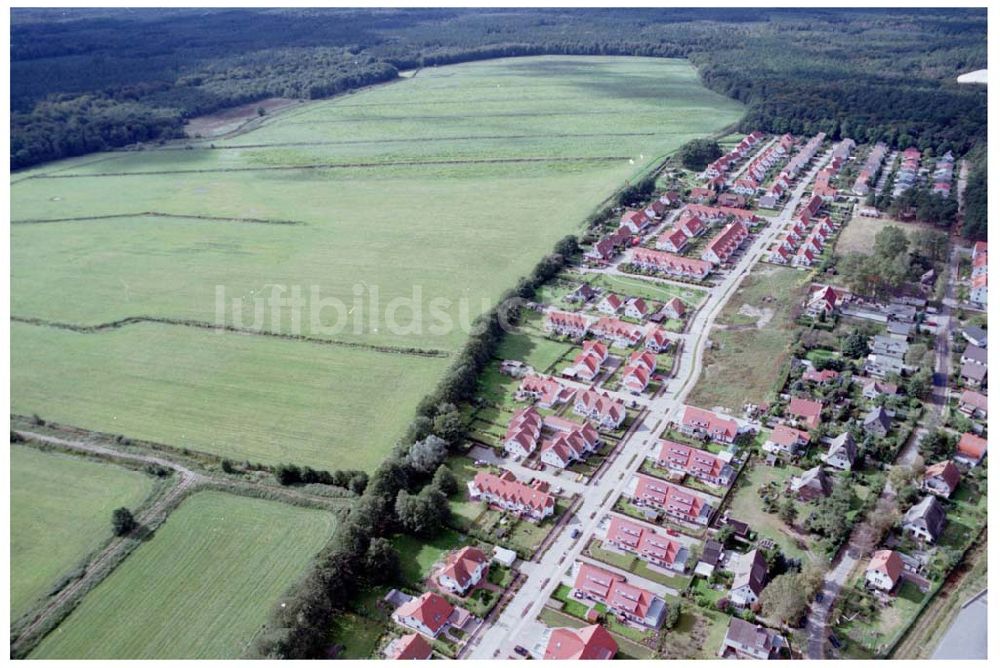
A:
691	225
505	491
655	209
884	570
638	371
544	390
807	411
780	254
702	423
673	240
970	449
562	323
804	257
657	340
409	647
674	308
786	440
627	601
725	243
671	500
602	408
661	262
428	614
611	304
463	570
587	365
979	290
617	332
635	221
590	642
700	464
636	308
822	299
523	431
572	442
646	543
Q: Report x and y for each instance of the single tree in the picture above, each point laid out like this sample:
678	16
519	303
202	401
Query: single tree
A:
123	522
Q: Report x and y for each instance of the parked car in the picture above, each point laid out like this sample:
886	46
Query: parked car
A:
575	533
521	651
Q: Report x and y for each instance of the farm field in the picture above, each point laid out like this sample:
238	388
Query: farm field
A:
446	187
200	588
60	512
244	397
751	339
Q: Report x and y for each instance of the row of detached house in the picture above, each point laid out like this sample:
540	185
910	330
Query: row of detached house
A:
822	186
862	184
722	165
783	182
804	241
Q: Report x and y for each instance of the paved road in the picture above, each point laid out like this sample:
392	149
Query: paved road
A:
968	634
519	619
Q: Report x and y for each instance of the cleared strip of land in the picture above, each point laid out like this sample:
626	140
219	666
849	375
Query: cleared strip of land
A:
200	588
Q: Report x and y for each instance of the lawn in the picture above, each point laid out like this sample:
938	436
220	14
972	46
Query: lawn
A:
244	397
417	556
201	588
443	188
747	507
751	340
650	289
358	636
60	511
537	352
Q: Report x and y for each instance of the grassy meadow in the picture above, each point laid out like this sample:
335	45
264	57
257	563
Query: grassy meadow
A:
751	339
60	512
451	184
243	397
200	588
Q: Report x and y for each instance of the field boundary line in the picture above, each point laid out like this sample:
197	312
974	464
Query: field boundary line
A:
225	329
407	140
158	214
336	165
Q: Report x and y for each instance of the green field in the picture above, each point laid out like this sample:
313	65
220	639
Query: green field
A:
200	588
60	511
243	397
451	184
751	340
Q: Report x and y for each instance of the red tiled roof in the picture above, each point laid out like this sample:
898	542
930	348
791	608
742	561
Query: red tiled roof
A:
408	647
972	446
509	488
590	642
668	496
690	459
788	436
463	563
670	262
709	421
430	609
888	562
806	409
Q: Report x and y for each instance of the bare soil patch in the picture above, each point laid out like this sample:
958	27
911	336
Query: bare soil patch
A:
229	120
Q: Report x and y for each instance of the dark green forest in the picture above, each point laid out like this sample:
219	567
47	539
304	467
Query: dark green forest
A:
90	80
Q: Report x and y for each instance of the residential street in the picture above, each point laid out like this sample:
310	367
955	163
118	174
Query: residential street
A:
519	619
817	624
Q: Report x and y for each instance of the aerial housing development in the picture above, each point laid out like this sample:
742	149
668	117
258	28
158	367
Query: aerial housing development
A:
428	334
